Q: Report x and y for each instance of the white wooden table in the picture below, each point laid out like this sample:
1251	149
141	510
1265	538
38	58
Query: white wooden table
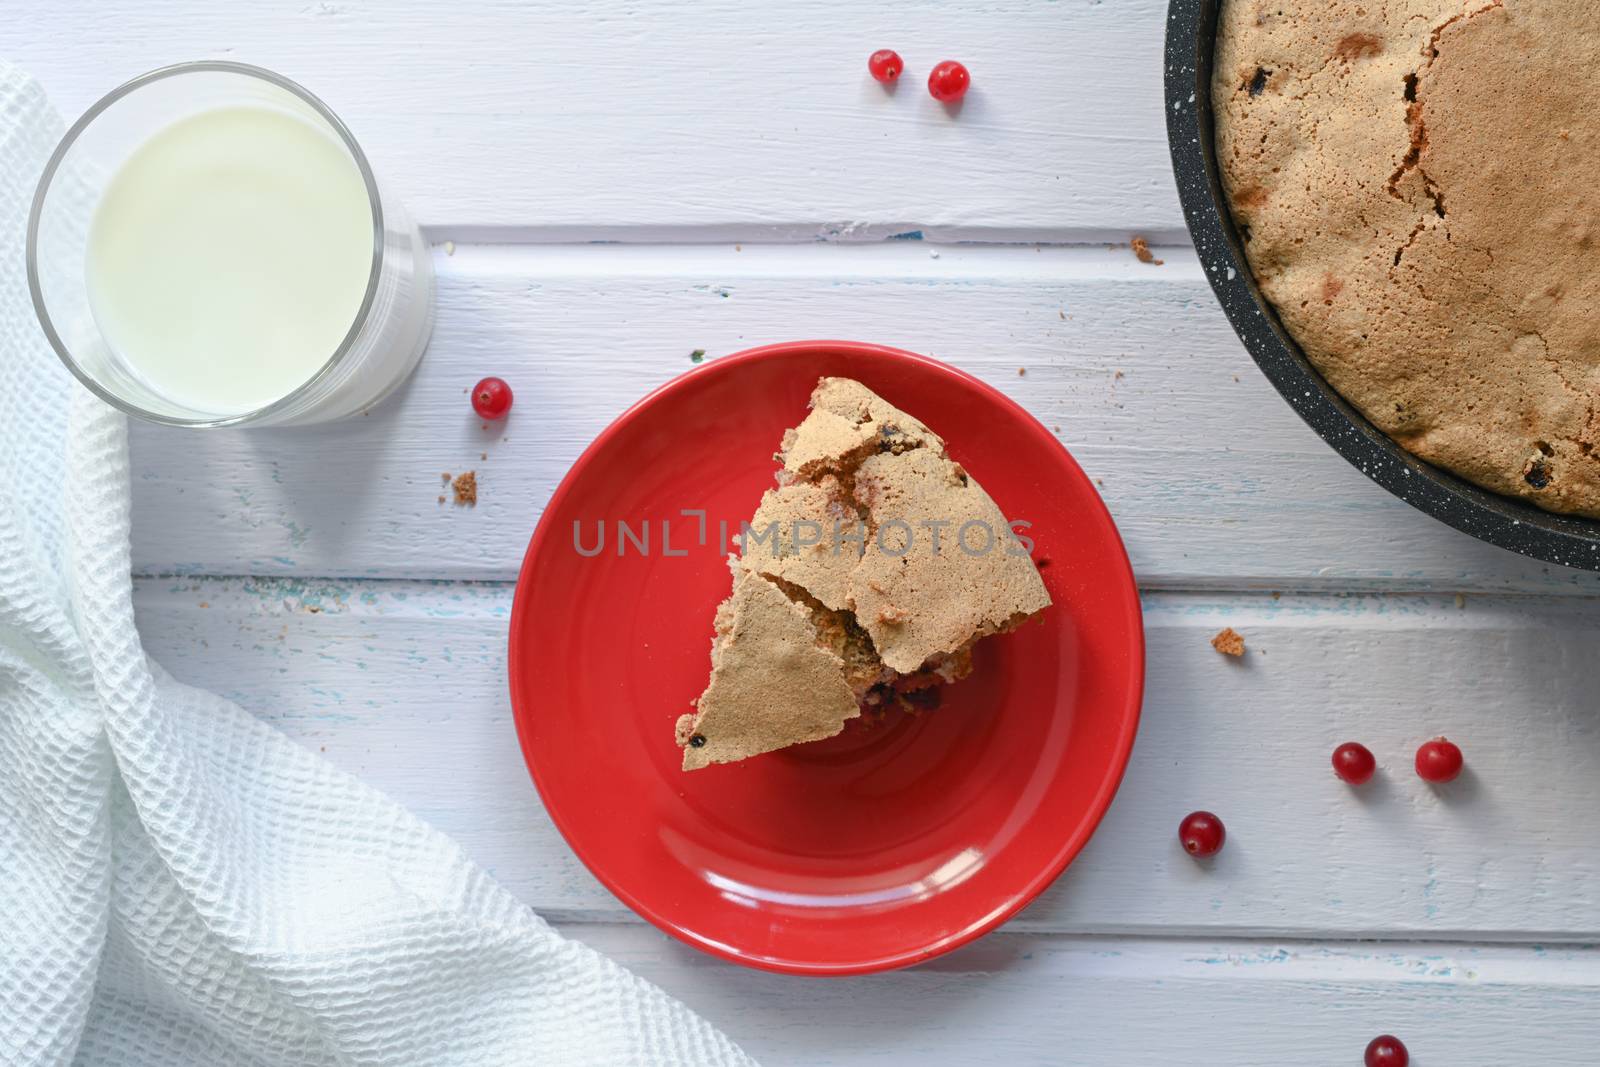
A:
611	185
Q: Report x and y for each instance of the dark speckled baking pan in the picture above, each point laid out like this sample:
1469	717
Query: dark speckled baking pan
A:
1500	520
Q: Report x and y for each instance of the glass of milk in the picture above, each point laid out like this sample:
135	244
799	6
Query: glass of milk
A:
208	247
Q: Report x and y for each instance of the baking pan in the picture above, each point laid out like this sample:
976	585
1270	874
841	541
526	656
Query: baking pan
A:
1500	520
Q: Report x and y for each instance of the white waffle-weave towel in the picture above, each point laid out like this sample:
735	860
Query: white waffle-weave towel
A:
180	884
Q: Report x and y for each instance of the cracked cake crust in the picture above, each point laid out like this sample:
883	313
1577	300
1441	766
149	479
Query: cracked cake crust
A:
823	624
1413	180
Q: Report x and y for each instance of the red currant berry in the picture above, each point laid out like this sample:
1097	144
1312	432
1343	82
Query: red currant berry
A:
1387	1051
491	398
1353	763
948	81
885	64
1438	761
1201	833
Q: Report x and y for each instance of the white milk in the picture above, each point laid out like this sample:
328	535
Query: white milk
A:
229	255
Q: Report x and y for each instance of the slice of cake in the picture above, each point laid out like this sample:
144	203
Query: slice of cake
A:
863	580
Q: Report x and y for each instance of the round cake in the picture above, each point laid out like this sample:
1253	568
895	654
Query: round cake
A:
1413	181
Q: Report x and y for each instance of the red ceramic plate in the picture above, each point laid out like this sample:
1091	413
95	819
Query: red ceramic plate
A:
881	847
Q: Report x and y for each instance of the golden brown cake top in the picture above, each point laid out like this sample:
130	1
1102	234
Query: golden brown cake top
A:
847	421
795	535
1414	179
942	569
772	685
935	567
877	562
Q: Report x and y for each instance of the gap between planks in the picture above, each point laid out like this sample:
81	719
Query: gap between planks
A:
334	591
854	234
1438	961
906	254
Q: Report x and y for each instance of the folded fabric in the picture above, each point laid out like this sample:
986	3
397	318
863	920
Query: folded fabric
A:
180	884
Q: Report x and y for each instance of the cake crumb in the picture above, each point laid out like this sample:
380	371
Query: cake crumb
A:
449	248
483	455
1141	248
465	487
1229	642
1117	376
444	476
1056	429
441	498
1022	372
1461	602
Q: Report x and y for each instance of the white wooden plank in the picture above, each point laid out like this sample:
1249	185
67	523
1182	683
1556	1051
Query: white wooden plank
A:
403	684
1212	478
1089	1002
615	118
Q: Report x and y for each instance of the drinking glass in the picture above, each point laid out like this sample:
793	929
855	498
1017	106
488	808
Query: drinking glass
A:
390	329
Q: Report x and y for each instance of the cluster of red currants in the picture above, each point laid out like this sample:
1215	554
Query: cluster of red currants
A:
947	81
1438	761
